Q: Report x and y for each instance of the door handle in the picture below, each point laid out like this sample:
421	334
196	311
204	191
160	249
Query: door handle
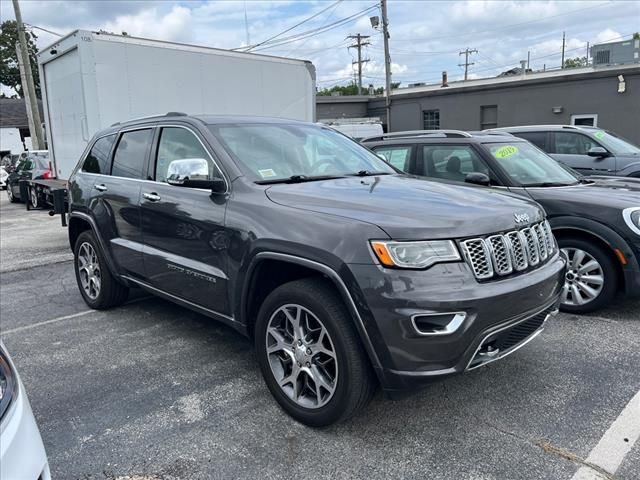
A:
101	187
152	197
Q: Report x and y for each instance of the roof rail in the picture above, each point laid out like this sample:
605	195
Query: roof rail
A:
573	127
418	133
157	115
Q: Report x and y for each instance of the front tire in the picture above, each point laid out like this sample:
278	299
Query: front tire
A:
98	287
34	200
310	354
591	281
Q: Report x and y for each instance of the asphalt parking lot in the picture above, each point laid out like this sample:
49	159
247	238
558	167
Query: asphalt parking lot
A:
153	391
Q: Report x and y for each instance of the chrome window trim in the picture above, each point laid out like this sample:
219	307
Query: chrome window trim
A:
449	328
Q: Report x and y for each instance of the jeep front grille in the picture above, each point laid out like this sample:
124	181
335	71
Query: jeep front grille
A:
516	250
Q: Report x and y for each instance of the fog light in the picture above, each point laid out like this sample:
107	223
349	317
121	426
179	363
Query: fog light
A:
428	324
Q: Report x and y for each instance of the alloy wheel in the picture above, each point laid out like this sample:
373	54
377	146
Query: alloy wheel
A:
302	356
89	270
584	279
9	192
34	198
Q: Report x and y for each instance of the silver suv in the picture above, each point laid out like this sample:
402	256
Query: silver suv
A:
589	150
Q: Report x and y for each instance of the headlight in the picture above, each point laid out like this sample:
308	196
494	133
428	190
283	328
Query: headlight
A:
8	382
632	218
415	254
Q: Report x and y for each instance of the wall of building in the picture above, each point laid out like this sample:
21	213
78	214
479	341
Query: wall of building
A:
525	103
330	107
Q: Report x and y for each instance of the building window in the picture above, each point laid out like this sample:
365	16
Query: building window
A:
590	120
488	116
431	119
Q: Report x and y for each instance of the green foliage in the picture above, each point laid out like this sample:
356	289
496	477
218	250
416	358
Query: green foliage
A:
636	36
352	89
9	71
575	62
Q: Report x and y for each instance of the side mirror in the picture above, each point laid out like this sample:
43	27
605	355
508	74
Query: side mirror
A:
193	173
478	178
598	152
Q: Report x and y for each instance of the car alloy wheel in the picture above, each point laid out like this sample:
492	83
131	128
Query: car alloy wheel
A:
584	279
9	193
302	356
89	270
33	195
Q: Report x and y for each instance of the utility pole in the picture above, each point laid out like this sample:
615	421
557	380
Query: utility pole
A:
466	52
28	89
359	44
387	61
563	44
587	54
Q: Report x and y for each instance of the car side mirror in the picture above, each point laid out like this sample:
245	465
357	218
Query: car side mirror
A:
478	178
194	173
598	152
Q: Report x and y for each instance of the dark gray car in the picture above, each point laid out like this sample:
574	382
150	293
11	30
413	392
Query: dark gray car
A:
344	273
589	150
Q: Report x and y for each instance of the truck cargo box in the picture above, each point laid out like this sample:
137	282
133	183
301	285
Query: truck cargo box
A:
91	80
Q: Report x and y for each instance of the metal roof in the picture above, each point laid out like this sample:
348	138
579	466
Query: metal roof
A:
13	113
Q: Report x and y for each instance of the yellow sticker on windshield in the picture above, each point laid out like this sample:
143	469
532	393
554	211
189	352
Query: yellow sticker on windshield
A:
267	173
506	151
599	135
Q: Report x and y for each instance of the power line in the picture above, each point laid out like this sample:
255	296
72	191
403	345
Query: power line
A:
320	30
251	47
43	29
361	42
329	15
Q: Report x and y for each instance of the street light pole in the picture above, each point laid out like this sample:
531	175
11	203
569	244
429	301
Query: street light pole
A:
387	61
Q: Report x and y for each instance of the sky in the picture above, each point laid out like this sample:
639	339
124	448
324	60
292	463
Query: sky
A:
426	36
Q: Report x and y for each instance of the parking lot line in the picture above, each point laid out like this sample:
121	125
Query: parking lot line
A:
46	322
617	441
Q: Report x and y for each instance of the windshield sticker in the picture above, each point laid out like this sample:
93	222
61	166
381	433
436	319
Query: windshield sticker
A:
267	173
506	151
599	135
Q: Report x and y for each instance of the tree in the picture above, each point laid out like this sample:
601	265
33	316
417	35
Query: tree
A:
9	70
352	89
575	62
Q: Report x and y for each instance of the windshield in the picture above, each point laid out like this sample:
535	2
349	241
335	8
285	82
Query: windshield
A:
41	159
272	152
528	166
615	144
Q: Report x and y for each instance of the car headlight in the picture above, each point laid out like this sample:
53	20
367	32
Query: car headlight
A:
421	254
8	382
632	218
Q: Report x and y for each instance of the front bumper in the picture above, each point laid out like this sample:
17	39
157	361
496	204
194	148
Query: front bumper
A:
22	454
393	297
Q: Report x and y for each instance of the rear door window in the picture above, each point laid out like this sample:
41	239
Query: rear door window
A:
399	157
97	161
539	139
131	154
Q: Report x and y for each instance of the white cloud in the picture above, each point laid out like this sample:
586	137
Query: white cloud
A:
150	23
608	35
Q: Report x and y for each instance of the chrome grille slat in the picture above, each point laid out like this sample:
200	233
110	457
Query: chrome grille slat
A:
503	254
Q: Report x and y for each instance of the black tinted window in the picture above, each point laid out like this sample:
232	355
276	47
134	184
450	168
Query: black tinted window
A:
131	153
98	159
539	139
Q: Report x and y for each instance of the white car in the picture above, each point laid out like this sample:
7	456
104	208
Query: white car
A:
3	178
22	454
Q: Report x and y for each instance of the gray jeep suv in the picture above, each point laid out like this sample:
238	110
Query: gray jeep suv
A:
343	272
589	150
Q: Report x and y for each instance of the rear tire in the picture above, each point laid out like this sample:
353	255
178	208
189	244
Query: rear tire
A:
98	287
34	200
591	280
319	372
12	197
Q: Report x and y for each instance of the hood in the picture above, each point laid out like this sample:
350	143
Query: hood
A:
410	208
605	192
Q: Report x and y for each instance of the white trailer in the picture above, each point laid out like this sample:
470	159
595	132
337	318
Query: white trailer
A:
91	80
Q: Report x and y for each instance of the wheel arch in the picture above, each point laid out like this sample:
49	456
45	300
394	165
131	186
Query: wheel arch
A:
252	296
603	236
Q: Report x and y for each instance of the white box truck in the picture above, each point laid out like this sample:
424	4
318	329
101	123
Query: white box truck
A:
91	80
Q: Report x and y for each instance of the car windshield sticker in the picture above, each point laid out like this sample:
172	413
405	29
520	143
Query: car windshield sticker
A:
599	135
506	151
267	173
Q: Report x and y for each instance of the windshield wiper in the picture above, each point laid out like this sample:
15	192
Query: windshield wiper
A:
367	173
297	179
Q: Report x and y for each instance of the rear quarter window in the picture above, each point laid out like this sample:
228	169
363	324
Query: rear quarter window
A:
97	161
